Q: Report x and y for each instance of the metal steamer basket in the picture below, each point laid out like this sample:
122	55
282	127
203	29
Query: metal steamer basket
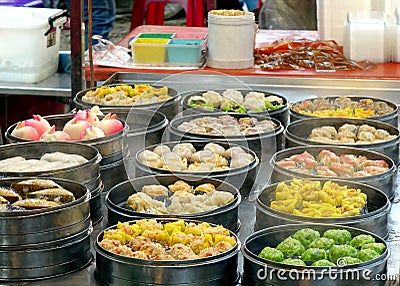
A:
296	134
242	178
390	118
373	219
384	182
281	114
169	107
111	149
264	144
113	269
46	242
87	174
258	271
227	216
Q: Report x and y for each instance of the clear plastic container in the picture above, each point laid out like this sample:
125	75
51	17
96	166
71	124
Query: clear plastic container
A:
26	53
367	36
396	36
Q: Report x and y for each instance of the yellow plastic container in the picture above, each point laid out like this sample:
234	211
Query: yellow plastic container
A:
149	50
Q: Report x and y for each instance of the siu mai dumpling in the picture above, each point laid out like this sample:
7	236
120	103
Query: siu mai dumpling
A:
33	204
32	185
180	186
206	188
58	195
9	195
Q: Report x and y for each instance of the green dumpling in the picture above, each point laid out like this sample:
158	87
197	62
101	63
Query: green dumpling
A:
323	262
322	243
291	247
338	251
271	253
347	260
340	236
294	261
377	246
367	254
359	240
306	236
313	254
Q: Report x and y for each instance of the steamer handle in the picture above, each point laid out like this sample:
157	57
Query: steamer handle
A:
53	18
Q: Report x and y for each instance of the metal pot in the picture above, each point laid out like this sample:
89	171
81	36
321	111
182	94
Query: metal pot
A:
374	220
95	203
263	144
86	173
107	145
18	228
113	173
116	198
242	178
384	182
41	261
297	132
390	118
113	269
258	271
281	114
169	107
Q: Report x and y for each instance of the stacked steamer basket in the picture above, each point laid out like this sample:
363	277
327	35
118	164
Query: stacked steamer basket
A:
213	201
86	173
179	256
265	271
310	179
361	133
131	97
44	242
110	147
255	102
377	108
194	157
264	139
145	128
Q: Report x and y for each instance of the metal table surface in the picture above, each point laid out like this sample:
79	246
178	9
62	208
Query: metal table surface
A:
59	84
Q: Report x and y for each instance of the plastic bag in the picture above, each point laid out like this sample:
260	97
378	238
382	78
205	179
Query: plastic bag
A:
108	54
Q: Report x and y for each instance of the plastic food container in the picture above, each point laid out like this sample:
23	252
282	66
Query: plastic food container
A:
396	36
231	41
156	35
29	48
367	29
149	50
184	50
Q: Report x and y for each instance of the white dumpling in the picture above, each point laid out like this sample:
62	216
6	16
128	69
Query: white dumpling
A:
255	94
173	162
216	148
213	98
184	150
204	156
240	161
72	159
233	95
234	151
254	103
161	150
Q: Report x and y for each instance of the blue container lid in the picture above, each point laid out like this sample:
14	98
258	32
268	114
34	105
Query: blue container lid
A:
22	3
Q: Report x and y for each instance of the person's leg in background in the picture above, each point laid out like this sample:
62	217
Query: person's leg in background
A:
103	15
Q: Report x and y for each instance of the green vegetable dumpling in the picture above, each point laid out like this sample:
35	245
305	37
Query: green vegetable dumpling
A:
313	254
291	247
338	251
272	254
359	240
340	236
367	254
377	246
294	261
306	236
347	260
322	243
323	262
